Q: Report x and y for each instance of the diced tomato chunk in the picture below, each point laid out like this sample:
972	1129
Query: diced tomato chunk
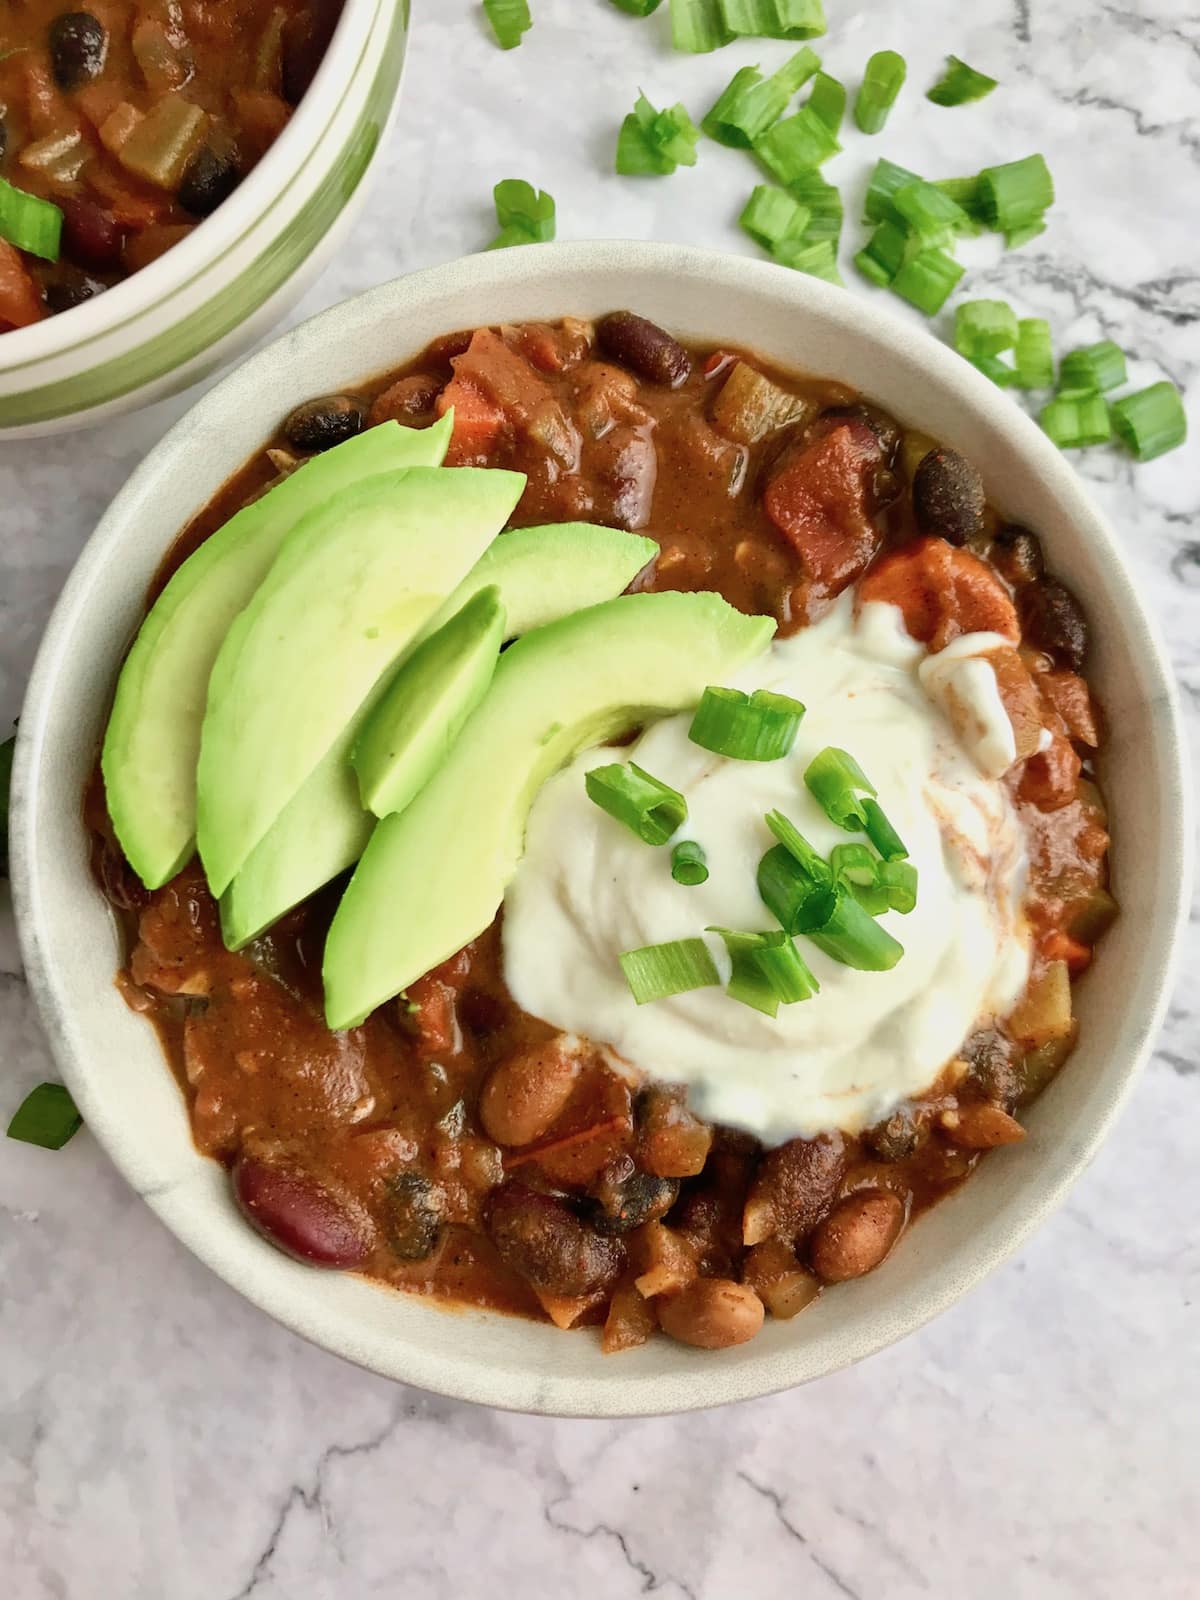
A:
478	422
1020	697
20	303
942	591
1060	946
819	499
1051	776
1071	698
432	1014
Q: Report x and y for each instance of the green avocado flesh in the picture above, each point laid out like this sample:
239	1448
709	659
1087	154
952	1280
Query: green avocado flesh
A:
408	735
433	877
353	586
152	743
542	574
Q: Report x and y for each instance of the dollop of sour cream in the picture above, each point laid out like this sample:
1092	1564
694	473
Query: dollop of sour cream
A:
588	889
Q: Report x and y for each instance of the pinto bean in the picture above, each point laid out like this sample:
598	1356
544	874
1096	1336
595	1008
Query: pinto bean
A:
299	1215
1053	621
524	1094
948	497
712	1314
856	1235
320	424
644	348
541	1238
793	1187
980	1125
1017	555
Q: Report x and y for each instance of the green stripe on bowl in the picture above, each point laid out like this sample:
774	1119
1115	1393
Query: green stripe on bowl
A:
238	301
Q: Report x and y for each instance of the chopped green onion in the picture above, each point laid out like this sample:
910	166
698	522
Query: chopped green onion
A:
774	19
795	144
984	328
882	82
751	104
853	937
658	970
928	280
30	223
1001	374
757	727
1152	421
1071	424
823	201
797	846
1014	238
637	8
47	1116
697	26
857	867
1015	196
526	215
960	84
798	899
929	214
847	797
816	257
651	809
653	143
772	215
881	833
828	100
688	863
6	761
768	970
1092	370
1034	358
509	20
884	253
887	180
967	194
898	879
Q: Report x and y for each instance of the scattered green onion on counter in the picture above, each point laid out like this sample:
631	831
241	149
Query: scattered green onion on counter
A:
772	215
637	8
1152	421
828	101
697	26
47	1117
658	970
750	103
509	20
824	203
647	807
929	214
790	148
1074	423
887	180
689	865
1094	369
928	280
526	215
816	257
1015	197
960	84
984	328
884	253
30	223
767	970
654	143
773	19
882	82
746	727
1033	358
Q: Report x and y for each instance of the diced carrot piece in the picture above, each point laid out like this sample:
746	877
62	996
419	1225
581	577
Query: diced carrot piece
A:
131	210
20	303
478	422
1060	946
819	500
502	376
942	591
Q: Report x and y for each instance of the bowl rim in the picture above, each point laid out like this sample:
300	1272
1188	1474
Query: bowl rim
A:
185	264
1062	1163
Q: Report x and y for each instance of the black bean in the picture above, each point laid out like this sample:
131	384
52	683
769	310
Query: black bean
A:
78	46
1052	620
211	176
70	292
1017	555
948	498
897	1137
881	425
993	1073
412	1218
541	1238
320	424
623	1197
644	348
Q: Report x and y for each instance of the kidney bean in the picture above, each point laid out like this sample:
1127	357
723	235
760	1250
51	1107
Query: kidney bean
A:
1053	621
541	1238
980	1125
793	1187
712	1314
885	429
644	348
322	423
78	45
524	1094
1017	555
856	1235
299	1215
413	1209
91	235
948	498
624	1197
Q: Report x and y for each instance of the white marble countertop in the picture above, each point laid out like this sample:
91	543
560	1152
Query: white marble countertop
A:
162	1440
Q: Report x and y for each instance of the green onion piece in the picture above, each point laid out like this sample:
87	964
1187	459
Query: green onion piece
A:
688	864
47	1116
768	970
835	781
526	215
828	101
1014	238
882	82
898	880
1001	374
29	223
884	253
774	19
984	328
857	867
651	809
1070	424
816	257
880	831
1094	369
960	84
797	846
853	937
928	280
6	761
1016	195
751	104
697	26
887	180
929	214
637	8
509	20
658	970
654	143
824	203
797	899
1035	355
771	215
757	727
798	142
1152	421
967	194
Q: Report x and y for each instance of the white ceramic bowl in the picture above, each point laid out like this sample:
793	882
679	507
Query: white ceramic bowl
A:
111	1059
233	277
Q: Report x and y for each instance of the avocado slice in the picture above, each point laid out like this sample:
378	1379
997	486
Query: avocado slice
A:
433	877
542	573
410	732
353	586
152	742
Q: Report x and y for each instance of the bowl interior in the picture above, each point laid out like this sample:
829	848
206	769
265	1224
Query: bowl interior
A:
112	1060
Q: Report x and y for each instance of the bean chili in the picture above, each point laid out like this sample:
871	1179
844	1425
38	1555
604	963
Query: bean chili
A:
453	1145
